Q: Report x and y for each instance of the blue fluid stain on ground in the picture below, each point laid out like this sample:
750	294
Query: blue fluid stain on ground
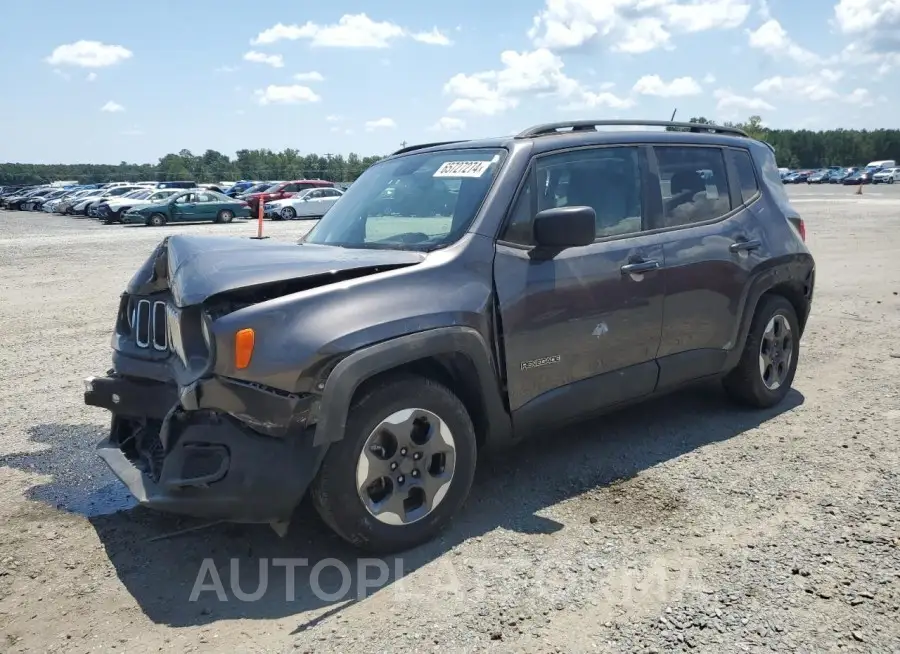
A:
80	481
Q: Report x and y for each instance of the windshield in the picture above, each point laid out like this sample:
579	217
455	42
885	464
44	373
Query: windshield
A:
257	188
415	202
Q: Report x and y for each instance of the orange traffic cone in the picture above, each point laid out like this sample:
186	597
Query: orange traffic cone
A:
859	189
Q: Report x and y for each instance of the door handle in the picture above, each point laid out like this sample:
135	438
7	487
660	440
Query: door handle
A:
745	246
639	267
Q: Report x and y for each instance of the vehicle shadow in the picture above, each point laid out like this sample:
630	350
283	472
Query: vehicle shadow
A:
160	558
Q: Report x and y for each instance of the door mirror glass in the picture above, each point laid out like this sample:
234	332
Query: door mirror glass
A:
565	227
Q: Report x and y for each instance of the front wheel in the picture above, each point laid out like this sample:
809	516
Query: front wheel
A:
766	370
403	468
225	216
156	220
890	180
288	213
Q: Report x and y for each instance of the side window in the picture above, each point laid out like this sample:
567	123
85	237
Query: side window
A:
518	230
606	179
746	175
291	188
693	183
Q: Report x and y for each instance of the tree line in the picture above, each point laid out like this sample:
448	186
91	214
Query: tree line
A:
805	148
793	149
211	166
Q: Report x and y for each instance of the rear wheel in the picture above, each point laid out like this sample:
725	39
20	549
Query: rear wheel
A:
403	468
156	220
766	370
225	216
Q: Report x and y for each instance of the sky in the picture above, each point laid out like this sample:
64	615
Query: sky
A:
107	81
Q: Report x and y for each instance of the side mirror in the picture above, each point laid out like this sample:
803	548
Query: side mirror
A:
565	227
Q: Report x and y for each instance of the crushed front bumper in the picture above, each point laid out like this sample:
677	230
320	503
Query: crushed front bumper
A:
202	462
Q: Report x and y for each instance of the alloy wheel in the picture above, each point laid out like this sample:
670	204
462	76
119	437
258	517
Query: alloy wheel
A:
406	466
776	351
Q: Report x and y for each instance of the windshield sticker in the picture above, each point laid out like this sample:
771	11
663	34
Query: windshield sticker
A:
462	169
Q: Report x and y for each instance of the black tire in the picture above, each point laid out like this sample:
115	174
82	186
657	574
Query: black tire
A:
156	220
334	491
287	213
744	383
224	216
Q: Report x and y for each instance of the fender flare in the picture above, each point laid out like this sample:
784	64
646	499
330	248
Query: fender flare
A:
362	364
762	283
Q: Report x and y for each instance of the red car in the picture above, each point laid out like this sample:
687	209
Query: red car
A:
283	190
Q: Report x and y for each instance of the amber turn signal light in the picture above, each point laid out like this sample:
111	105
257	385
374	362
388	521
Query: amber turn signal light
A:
244	340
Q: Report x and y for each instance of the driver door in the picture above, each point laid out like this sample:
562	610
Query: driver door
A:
184	208
581	326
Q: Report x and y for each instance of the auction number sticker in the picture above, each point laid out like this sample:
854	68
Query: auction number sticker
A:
462	168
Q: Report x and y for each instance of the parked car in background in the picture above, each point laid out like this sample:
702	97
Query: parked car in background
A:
14	202
819	177
282	190
839	176
886	176
239	187
311	203
35	202
857	178
112	210
66	205
190	206
118	191
875	166
184	183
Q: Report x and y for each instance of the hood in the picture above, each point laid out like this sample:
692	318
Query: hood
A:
196	268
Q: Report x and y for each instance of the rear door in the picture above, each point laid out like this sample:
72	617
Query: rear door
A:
580	327
712	242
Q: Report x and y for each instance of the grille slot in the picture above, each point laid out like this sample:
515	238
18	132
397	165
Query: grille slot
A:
149	324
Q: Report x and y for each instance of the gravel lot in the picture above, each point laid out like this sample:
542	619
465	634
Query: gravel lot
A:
686	524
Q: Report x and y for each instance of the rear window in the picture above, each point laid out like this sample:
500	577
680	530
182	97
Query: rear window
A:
746	175
693	183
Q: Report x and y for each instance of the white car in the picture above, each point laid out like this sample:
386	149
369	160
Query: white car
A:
887	176
113	209
311	203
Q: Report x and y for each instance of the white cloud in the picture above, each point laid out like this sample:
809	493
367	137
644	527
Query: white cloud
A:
771	38
817	87
91	77
334	118
351	31
633	26
729	101
678	87
112	107
537	73
311	76
709	78
859	97
875	26
643	35
448	124
88	54
273	60
293	94
380	123
434	37
587	99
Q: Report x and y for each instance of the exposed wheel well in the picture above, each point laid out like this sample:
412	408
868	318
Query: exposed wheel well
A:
455	371
798	294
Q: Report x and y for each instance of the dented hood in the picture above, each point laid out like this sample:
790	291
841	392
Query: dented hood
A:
198	267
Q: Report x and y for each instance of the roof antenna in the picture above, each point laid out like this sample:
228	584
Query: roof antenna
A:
673	114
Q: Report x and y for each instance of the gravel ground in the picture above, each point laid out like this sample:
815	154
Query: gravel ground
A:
682	525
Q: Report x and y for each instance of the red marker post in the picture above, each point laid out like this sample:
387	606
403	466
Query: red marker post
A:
259	223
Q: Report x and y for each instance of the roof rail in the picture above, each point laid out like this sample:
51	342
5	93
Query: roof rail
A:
591	126
420	146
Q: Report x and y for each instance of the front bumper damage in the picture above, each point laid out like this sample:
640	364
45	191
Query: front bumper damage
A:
218	449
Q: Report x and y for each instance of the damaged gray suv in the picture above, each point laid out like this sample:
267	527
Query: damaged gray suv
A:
459	298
